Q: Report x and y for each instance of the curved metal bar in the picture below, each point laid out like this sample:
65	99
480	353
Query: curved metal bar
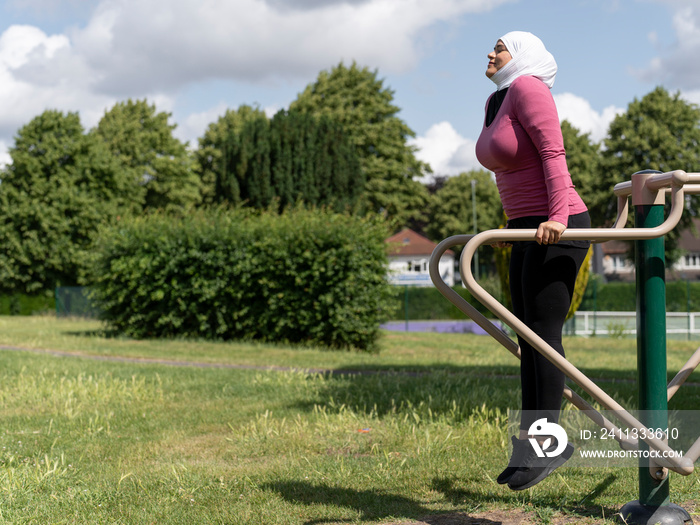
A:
676	180
683	374
457	300
693	452
505	340
622	211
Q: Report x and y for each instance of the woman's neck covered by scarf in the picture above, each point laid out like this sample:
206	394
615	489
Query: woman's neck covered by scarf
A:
530	57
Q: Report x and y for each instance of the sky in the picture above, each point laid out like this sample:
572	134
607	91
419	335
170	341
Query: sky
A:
196	58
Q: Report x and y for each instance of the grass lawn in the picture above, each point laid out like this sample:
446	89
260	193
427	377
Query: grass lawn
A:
88	440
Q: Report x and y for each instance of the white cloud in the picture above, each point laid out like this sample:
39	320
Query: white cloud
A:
151	49
674	67
5	158
270	111
692	96
140	46
582	116
25	93
196	124
447	152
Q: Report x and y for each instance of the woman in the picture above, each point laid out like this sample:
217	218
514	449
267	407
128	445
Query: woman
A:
521	142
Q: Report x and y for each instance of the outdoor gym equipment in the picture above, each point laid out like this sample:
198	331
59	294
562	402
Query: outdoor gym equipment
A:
648	190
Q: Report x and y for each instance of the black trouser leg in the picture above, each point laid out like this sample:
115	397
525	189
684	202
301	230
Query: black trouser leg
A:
542	280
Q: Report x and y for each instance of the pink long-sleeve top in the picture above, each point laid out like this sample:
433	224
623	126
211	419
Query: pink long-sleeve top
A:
524	147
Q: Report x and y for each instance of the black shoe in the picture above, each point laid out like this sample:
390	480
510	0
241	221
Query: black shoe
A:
520	448
534	469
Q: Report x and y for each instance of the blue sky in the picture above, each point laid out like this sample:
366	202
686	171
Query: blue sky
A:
196	58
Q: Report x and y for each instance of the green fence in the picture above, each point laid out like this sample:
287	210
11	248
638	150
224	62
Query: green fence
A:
73	301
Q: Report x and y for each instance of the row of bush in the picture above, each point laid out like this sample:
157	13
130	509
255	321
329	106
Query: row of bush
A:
681	296
305	276
22	304
427	303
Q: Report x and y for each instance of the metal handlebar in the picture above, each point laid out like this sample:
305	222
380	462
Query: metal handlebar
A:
675	182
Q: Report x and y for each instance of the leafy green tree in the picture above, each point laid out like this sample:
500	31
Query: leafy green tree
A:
583	160
451	208
313	160
660	132
293	157
210	154
359	101
142	140
60	186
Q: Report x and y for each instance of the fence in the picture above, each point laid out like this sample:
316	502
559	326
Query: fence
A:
679	325
424	309
73	301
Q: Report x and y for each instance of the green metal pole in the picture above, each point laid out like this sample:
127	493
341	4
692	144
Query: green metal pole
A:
653	505
651	345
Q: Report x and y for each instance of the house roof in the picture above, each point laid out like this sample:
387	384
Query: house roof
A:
690	240
615	247
408	242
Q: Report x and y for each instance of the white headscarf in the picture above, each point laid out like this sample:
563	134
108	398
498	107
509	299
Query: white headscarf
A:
530	57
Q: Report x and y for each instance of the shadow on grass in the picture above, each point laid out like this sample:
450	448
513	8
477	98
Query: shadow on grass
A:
373	505
105	333
457	392
583	507
370	505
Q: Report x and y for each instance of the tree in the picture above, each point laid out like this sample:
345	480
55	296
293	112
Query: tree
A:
360	102
143	142
660	132
314	160
61	185
451	207
209	156
293	157
583	161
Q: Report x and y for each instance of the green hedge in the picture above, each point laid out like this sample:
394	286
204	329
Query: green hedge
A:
306	276
681	296
21	304
427	303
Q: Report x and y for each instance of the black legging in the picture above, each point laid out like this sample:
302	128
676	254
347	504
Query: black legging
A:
542	279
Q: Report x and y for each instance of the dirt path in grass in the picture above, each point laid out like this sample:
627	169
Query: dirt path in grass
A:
200	364
175	362
274	368
523	517
502	517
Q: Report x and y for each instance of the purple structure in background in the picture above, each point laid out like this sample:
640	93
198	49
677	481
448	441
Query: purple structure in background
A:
445	327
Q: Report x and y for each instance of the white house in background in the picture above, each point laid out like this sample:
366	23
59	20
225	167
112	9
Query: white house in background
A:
688	266
617	266
409	255
617	261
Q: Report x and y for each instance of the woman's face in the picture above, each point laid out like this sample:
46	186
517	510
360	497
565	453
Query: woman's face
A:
498	58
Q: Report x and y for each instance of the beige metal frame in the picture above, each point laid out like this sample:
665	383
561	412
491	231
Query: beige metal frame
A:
644	188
